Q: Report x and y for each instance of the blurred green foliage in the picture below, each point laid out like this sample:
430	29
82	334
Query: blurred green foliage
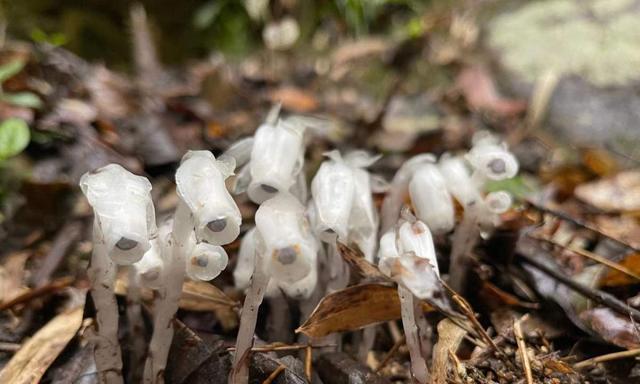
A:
98	29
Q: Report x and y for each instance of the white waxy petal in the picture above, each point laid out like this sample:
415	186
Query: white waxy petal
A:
458	180
431	198
493	160
206	262
415	273
301	289
332	190
416	238
201	184
246	264
398	189
276	159
285	240
498	202
387	249
123	209
150	267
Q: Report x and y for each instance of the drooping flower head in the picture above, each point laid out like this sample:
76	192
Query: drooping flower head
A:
123	211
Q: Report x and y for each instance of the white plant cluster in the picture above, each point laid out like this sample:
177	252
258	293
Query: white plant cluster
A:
294	238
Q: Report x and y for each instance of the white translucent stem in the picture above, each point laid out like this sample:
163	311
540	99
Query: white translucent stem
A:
338	269
366	343
137	345
102	274
419	368
464	239
248	318
166	303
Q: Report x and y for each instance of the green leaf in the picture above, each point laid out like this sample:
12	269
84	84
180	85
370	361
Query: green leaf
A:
14	137
11	69
207	14
22	99
520	187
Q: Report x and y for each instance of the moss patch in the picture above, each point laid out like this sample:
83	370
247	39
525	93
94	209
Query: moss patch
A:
598	40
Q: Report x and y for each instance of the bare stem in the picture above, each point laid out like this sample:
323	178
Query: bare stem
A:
102	274
166	304
464	239
419	368
248	318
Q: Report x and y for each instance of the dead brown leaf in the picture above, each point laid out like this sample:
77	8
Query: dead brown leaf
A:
616	278
623	228
620	193
479	89
294	99
613	327
35	356
359	264
450	336
12	275
353	308
197	296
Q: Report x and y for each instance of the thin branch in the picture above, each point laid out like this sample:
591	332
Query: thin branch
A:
522	348
274	375
596	295
391	353
607	357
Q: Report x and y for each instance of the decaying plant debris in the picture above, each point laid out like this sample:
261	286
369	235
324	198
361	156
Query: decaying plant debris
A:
542	289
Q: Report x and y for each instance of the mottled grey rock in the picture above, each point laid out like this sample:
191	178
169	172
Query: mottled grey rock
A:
593	46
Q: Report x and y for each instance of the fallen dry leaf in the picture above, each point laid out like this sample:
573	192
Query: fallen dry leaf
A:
353	308
616	278
294	99
623	228
12	275
359	264
450	336
197	296
35	356
618	193
612	327
481	93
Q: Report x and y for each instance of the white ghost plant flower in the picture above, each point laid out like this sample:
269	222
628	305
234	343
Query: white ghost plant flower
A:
333	190
206	208
201	183
286	252
206	262
408	256
491	158
431	199
277	157
124	223
399	189
123	211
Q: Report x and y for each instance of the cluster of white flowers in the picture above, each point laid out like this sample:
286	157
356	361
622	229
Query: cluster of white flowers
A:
125	233
286	249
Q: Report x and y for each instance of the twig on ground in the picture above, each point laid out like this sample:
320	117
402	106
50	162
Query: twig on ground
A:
607	357
274	375
308	359
522	348
391	353
53	287
596	295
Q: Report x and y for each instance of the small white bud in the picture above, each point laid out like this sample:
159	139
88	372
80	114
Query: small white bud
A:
277	157
431	199
285	240
459	181
498	202
123	210
333	189
281	35
201	184
206	262
364	220
492	159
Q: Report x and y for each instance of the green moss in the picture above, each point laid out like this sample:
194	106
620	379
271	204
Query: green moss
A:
596	39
